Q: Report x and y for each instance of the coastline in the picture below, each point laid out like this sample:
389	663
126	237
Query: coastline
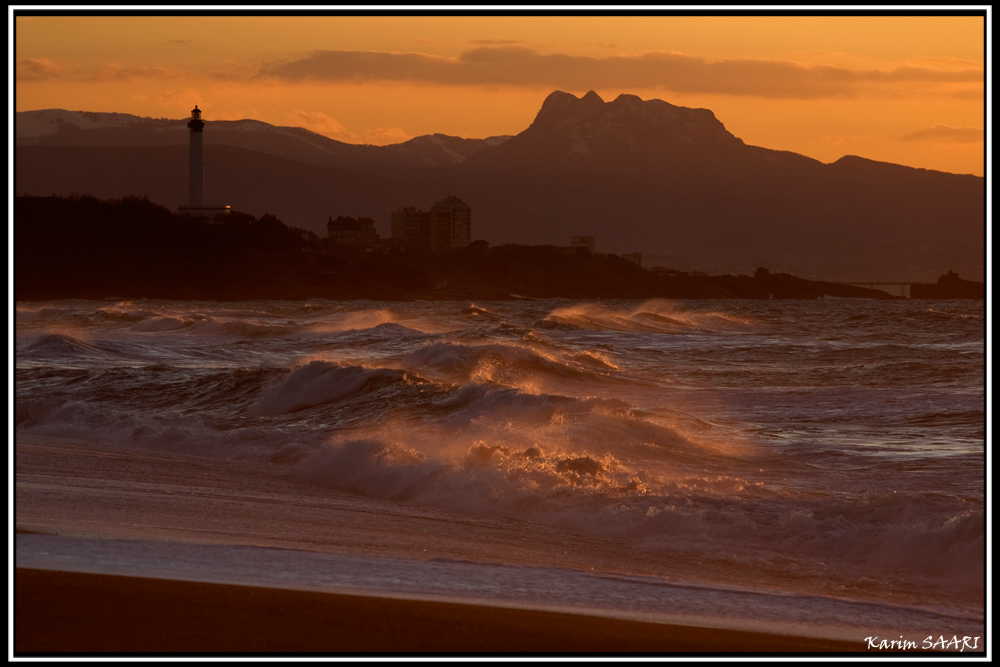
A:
71	612
250	259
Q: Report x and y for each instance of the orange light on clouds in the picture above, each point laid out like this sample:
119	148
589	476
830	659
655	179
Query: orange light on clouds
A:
902	89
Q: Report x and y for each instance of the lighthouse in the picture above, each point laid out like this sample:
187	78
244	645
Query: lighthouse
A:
196	172
196	165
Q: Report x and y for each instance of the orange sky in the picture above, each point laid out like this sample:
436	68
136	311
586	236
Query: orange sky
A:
908	90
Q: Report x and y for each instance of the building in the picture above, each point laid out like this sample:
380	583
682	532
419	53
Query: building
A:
451	222
351	231
412	227
587	242
196	172
447	225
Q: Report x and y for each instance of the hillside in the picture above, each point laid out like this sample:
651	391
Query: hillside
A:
81	247
638	175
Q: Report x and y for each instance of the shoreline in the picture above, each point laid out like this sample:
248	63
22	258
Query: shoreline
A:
59	612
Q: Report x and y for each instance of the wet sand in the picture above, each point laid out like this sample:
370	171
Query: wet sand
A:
59	612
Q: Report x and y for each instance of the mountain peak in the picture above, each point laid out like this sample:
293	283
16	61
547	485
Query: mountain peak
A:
570	130
560	108
626	99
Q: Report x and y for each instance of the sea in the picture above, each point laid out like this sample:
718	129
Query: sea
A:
810	468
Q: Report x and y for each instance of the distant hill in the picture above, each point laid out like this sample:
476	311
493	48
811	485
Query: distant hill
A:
58	127
646	176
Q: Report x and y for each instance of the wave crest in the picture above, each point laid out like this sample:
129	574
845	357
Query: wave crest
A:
320	382
656	316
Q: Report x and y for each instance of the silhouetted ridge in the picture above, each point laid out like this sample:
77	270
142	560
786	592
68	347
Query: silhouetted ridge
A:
648	175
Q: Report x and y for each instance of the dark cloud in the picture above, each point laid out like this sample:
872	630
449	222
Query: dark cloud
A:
515	65
958	135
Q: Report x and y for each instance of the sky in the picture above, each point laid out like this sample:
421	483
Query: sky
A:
904	89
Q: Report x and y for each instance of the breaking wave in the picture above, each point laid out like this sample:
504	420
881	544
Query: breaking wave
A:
656	316
521	364
320	382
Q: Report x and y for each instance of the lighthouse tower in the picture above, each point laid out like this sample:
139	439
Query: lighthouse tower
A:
196	172
196	167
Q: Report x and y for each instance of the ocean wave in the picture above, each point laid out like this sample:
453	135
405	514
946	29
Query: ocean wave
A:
743	458
83	316
724	522
519	364
657	316
157	324
321	382
379	332
476	311
45	314
492	480
60	346
354	320
210	327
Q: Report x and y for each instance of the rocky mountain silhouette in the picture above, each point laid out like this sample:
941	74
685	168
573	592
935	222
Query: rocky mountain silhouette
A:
626	135
641	176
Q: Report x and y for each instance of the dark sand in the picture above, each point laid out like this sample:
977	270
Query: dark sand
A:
59	612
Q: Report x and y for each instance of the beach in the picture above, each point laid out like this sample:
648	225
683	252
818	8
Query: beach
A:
74	612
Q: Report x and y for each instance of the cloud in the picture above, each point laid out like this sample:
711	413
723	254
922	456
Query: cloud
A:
514	65
502	42
37	69
383	136
115	73
42	69
945	133
840	139
320	123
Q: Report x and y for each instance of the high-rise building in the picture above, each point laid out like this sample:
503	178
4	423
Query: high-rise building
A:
447	225
451	222
412	227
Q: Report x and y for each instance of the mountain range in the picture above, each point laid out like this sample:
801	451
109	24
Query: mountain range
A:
640	176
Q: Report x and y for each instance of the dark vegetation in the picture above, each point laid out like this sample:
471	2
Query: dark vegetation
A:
80	247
